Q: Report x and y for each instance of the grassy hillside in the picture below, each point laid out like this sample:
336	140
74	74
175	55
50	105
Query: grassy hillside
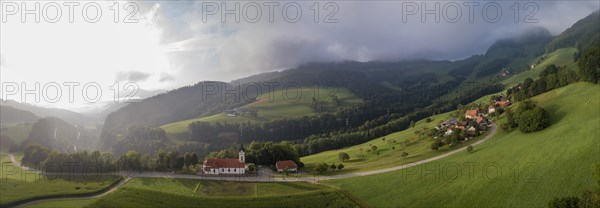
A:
160	192
17	184
560	57
390	148
17	132
512	169
275	105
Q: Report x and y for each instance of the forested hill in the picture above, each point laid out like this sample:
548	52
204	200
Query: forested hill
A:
57	134
66	115
12	115
579	34
390	90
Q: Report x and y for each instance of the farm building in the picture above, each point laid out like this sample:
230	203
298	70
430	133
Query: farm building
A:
288	165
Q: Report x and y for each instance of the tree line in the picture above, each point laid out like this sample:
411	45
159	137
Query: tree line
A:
262	153
550	78
528	117
41	157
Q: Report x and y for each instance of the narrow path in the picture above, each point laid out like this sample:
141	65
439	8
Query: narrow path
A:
17	163
60	198
263	177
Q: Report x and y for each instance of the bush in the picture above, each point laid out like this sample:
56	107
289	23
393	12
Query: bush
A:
435	145
505	126
470	148
533	120
404	154
428	120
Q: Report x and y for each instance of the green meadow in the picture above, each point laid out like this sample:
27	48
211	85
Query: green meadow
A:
512	169
390	148
17	184
162	192
275	105
17	132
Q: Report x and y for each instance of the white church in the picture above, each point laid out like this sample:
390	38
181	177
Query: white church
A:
214	166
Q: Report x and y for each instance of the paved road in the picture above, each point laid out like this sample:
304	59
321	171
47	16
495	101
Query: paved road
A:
264	175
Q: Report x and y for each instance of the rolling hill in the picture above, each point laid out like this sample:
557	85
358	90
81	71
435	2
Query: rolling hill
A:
560	57
188	102
275	105
578	35
12	116
69	116
511	169
383	88
57	134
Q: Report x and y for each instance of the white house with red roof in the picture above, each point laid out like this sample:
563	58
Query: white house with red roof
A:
286	165
214	166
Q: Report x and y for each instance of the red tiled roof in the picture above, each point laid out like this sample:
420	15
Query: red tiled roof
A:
471	113
479	119
286	164
503	103
223	163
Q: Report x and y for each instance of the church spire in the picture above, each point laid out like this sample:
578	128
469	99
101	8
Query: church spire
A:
241	138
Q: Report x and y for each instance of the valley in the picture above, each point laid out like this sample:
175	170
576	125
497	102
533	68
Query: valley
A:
513	125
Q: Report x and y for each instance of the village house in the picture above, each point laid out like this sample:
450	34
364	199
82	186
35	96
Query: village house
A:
503	103
471	131
286	165
470	114
450	122
448	132
462	125
491	109
214	166
235	112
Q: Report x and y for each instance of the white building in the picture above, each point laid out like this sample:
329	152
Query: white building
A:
286	165
215	166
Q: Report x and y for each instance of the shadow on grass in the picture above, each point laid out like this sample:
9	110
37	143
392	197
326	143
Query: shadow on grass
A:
299	186
556	115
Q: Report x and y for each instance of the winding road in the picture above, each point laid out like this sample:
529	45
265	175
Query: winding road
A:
263	176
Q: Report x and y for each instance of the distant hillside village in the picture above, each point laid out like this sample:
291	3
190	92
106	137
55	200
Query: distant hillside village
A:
241	111
474	122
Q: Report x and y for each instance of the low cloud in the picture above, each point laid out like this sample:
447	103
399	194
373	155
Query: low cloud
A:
366	31
2	61
165	77
132	76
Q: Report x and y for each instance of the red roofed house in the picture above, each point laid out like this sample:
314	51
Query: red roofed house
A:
288	165
215	166
471	114
479	119
503	103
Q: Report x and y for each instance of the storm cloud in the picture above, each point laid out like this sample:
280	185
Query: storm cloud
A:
205	47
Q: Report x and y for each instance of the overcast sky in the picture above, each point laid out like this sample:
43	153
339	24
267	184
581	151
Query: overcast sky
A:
180	43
